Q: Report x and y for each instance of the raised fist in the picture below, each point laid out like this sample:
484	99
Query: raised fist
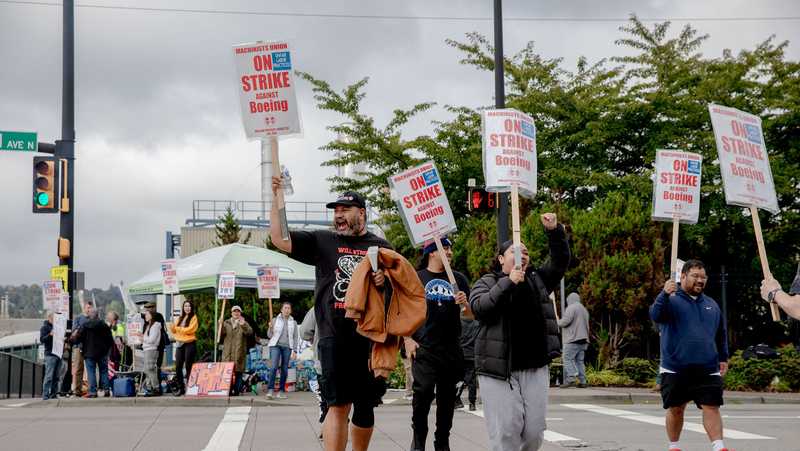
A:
549	221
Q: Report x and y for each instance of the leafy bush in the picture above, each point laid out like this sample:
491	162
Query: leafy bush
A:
397	378
640	370
761	374
608	378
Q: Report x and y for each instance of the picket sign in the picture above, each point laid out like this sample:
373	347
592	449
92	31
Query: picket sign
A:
268	101
676	193
746	172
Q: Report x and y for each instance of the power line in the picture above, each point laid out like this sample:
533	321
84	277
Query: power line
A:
413	18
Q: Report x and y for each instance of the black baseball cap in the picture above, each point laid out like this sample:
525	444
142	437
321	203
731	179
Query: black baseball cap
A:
348	199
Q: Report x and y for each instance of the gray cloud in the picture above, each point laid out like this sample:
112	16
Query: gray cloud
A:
158	121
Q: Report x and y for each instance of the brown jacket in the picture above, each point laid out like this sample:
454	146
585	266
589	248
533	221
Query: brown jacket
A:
234	347
365	303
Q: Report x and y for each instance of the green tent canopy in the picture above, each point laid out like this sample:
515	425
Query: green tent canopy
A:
201	271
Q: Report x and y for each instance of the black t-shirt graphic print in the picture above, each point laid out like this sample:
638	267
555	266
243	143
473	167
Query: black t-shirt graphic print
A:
334	257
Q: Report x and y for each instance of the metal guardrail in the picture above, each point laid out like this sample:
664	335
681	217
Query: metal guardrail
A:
256	213
19	377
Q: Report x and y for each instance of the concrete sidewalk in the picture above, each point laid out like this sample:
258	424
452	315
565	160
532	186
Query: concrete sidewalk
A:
605	395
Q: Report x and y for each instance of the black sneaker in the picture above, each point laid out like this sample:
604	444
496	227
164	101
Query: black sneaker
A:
472	407
459	404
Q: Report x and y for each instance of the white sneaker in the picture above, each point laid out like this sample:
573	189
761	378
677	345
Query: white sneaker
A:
281	395
269	395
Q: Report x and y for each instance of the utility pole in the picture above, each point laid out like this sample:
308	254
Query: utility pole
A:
65	149
500	102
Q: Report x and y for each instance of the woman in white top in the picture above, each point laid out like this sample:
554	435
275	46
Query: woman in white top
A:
284	339
150	341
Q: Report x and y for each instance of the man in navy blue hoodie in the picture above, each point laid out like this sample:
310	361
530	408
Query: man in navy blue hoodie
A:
694	353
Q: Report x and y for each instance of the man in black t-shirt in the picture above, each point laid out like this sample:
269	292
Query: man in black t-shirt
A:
346	380
436	348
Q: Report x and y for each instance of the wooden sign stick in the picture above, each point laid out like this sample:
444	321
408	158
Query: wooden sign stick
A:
446	263
673	259
555	307
279	200
219	328
269	301
515	229
762	255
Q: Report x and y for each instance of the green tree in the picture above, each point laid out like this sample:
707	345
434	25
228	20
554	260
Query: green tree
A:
229	230
598	128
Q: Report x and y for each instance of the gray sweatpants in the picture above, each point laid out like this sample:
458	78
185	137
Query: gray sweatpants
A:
515	409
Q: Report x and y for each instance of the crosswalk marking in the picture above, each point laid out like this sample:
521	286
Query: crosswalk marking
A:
229	433
550	436
650	419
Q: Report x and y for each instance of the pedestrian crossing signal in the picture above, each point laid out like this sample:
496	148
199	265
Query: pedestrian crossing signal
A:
481	200
45	185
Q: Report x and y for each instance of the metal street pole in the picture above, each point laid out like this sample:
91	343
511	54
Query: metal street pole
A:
500	102
65	147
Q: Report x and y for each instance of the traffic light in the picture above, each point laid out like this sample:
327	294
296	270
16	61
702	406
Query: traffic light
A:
481	200
45	185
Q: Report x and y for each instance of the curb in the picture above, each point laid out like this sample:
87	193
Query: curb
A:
553	398
161	402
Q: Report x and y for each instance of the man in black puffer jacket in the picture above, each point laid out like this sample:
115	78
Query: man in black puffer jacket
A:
518	338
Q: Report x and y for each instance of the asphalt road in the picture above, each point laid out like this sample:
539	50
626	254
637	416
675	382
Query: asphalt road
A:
760	427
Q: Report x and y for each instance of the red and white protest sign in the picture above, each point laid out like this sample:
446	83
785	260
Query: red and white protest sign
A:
743	160
227	285
266	89
676	191
51	294
421	199
134	329
169	276
509	151
268	282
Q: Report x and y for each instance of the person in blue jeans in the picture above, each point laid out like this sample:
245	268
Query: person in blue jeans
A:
574	326
97	341
51	361
283	342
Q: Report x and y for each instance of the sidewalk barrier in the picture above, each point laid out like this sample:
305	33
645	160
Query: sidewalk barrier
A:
20	377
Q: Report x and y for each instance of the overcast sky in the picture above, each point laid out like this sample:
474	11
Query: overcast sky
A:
157	114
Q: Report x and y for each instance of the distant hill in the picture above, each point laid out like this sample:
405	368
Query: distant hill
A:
25	301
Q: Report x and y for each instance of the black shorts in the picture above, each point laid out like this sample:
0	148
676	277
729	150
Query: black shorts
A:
703	389
346	377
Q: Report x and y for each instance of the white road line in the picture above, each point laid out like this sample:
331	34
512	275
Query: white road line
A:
550	436
389	401
19	404
635	416
751	417
229	433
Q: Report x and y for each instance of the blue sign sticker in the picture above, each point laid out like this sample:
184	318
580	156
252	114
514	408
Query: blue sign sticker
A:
281	61
693	167
753	133
529	130
430	177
